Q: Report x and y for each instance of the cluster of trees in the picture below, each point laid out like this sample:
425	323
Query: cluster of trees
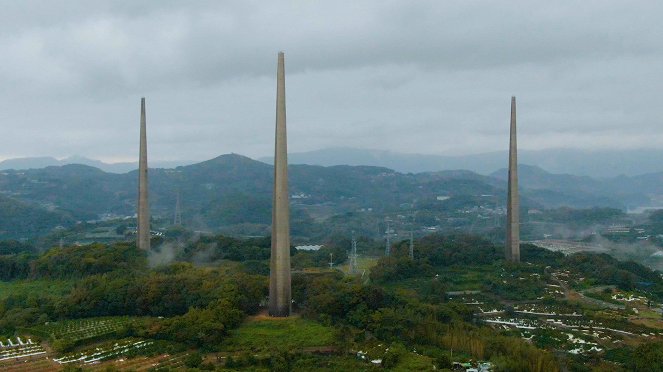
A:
365	311
168	291
69	262
19	219
397	268
334	249
15	247
448	250
215	248
252	251
15	266
600	268
433	251
201	304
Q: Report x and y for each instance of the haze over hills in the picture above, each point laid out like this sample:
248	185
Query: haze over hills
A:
233	189
599	163
596	164
49	161
582	191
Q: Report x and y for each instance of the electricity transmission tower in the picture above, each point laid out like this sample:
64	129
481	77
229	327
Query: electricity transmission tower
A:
177	220
412	235
387	248
353	255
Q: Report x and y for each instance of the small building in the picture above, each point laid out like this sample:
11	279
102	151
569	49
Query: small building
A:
308	247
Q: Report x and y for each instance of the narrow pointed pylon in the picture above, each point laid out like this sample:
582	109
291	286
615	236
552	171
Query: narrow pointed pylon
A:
279	276
512	246
143	230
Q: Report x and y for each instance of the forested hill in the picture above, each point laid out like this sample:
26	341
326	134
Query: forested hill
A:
233	189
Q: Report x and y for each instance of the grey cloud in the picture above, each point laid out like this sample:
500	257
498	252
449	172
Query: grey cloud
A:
425	76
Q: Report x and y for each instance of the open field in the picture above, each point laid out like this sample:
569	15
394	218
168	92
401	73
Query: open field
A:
455	279
263	333
460	278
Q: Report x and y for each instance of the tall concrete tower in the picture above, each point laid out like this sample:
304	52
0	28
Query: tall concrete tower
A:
353	255
512	245
279	275
143	232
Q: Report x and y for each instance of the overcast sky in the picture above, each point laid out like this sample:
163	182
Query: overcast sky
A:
430	77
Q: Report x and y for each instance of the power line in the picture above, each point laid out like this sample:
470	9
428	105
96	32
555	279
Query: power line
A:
387	248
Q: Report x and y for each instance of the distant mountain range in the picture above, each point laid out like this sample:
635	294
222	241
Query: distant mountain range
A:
233	189
598	164
47	161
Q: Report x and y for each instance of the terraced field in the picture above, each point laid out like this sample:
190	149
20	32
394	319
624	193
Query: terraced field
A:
42	364
22	354
106	351
161	362
81	329
18	348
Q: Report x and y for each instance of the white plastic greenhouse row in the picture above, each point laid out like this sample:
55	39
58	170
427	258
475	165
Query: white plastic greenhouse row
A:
21	352
18	342
102	354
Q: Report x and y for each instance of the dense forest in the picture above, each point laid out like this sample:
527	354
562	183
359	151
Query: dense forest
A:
215	282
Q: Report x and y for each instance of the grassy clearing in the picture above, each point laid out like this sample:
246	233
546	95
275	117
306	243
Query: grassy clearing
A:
454	279
334	363
263	333
54	288
414	362
466	278
364	265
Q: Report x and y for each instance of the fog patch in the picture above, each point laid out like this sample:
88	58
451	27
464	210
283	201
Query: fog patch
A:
643	252
164	254
205	256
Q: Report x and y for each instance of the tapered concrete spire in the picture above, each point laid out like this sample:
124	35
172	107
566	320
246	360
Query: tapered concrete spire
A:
279	275
512	245
143	232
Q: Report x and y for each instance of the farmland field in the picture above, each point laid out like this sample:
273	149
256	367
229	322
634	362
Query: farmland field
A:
17	347
79	330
